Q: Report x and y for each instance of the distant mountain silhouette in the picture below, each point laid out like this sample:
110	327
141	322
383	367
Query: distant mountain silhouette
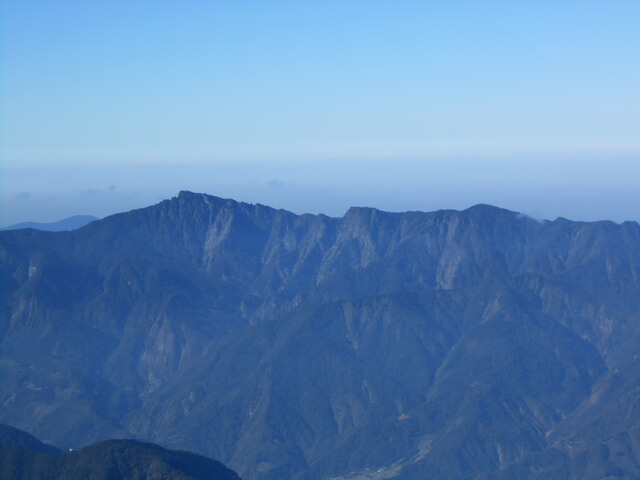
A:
451	344
22	457
70	223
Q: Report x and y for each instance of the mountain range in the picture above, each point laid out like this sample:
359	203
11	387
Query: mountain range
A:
71	223
479	344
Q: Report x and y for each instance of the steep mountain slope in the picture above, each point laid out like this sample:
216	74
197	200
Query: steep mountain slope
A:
449	344
22	457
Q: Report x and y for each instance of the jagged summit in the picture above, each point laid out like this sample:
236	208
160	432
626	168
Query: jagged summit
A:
187	200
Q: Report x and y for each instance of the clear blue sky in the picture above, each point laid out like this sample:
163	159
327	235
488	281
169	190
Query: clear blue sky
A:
318	105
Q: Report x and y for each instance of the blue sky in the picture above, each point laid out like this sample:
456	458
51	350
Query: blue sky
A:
316	106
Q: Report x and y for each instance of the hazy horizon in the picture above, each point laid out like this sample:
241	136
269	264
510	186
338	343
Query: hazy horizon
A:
319	106
578	189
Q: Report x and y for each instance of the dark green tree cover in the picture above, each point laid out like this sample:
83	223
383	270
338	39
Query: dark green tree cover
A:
22	457
473	344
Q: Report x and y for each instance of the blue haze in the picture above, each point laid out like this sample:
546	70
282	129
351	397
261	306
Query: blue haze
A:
316	106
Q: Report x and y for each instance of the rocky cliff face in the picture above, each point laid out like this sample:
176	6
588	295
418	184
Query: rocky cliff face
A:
447	344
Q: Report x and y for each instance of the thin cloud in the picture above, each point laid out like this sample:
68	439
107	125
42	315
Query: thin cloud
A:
98	191
275	183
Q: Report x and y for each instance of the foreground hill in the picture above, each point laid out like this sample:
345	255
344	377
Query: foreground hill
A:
13	437
473	344
22	457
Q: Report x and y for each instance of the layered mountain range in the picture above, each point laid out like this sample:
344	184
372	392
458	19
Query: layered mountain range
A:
452	344
70	223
